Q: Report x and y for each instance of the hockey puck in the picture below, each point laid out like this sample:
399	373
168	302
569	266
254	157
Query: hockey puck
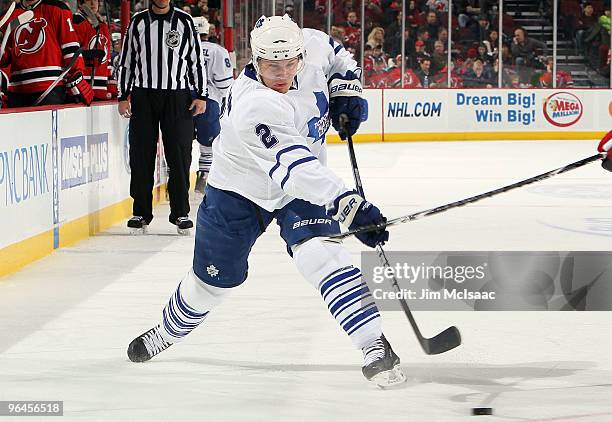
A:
477	411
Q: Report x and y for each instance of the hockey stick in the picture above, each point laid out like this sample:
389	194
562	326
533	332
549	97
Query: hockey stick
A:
19	20
440	343
472	199
7	15
95	23
71	63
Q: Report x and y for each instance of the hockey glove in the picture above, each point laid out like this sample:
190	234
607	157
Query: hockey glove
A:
345	98
354	212
79	88
605	145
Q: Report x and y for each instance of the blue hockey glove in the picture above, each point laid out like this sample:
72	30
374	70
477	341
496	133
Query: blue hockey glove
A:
353	212
345	98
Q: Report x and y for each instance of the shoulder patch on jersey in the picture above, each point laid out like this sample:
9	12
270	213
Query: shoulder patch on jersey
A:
249	71
56	3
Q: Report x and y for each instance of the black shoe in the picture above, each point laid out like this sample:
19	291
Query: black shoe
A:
183	225
137	224
147	345
381	364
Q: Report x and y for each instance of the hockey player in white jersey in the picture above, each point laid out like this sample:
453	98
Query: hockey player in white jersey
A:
220	77
270	163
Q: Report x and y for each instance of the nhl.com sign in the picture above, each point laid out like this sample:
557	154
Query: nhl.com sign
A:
563	109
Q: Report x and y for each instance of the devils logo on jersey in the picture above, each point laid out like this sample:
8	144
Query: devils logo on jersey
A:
30	37
102	45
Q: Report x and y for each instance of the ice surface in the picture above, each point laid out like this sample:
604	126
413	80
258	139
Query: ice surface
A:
271	352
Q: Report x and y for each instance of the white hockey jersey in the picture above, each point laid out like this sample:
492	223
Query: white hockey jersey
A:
219	70
271	149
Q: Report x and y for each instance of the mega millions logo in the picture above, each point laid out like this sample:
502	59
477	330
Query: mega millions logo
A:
563	109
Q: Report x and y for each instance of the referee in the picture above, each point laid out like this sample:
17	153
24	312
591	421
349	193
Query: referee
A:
161	61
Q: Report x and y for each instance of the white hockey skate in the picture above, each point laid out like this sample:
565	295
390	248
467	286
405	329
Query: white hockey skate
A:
137	225
381	364
183	226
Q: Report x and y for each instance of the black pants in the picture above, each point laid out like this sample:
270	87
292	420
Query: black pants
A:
56	96
152	109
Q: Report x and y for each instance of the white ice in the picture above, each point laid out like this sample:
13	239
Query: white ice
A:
271	351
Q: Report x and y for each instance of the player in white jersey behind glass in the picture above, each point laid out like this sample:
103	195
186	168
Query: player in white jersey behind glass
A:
220	78
270	163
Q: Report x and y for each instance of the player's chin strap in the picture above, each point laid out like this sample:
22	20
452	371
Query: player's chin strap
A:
472	199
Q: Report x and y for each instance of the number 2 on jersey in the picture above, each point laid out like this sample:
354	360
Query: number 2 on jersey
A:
265	135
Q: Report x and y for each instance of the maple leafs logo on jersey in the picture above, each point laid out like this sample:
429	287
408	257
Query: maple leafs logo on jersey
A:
318	126
30	37
102	45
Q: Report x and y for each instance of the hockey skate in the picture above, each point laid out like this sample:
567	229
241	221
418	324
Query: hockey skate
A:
147	345
200	184
183	226
137	225
381	364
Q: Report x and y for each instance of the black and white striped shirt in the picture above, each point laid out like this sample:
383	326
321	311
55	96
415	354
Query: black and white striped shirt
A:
162	52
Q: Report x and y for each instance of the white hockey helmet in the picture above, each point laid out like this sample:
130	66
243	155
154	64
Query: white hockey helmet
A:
202	25
276	38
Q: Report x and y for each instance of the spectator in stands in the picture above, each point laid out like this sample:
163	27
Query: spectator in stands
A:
476	77
337	33
492	43
467	11
585	24
484	28
414	16
352	30
437	5
376	37
374	13
424	73
564	79
507	58
526	49
439	57
483	54
423	36
432	25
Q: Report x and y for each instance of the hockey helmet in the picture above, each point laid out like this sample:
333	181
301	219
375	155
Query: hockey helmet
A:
202	25
276	38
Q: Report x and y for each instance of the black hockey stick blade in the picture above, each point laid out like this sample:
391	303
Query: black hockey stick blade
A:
443	342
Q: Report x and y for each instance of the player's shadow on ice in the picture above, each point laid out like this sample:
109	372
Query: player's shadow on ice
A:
488	378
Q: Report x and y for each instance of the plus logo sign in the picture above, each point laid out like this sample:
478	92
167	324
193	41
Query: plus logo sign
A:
318	126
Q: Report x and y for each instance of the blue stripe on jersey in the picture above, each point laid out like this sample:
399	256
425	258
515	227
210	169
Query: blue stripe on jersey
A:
221	80
337	49
331	42
295	164
281	152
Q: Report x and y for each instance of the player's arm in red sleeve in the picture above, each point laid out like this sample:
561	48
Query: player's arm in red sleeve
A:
69	43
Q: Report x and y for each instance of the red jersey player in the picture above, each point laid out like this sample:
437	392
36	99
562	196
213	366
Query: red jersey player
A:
36	52
91	38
